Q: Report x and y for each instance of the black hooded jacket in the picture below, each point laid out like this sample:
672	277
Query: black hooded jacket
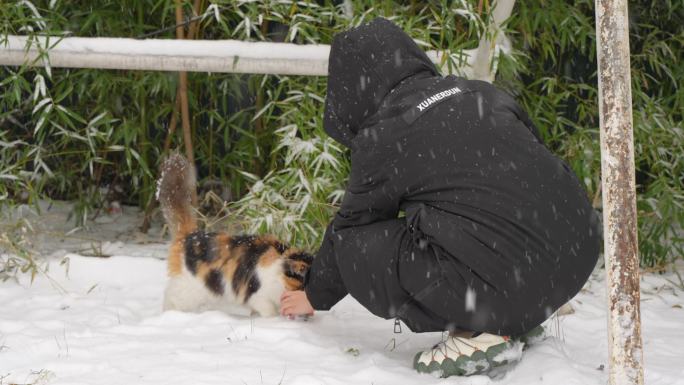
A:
453	172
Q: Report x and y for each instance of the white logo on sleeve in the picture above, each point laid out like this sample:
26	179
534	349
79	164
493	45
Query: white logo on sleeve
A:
437	97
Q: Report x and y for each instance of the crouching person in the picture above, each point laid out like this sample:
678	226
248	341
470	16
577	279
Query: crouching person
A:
456	217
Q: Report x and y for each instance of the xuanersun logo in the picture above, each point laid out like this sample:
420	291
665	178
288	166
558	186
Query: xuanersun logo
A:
437	97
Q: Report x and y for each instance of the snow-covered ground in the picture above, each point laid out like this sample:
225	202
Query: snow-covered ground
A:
96	320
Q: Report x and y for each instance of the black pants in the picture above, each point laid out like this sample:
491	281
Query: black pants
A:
395	272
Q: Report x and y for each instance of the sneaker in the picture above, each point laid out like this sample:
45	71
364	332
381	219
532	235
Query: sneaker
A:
458	356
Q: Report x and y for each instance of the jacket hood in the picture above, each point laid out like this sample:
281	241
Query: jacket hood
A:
365	64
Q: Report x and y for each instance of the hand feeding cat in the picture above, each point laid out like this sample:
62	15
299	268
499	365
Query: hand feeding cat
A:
217	270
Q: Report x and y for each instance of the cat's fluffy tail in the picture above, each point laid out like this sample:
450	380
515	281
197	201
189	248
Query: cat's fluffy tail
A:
176	191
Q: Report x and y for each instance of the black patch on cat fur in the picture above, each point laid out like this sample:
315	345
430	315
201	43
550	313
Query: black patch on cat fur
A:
240	240
244	273
198	248
280	247
252	287
301	256
291	272
214	281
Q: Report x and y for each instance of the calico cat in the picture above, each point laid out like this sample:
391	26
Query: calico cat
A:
217	270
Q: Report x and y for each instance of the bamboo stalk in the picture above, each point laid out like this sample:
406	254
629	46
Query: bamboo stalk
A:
178	105
172	124
259	162
183	90
193	27
192	30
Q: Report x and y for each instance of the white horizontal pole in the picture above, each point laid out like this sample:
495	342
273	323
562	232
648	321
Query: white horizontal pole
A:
232	56
171	55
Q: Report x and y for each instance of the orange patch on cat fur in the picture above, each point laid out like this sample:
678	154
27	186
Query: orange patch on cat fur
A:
175	259
269	257
292	284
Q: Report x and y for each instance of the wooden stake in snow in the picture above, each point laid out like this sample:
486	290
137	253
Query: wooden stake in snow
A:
619	193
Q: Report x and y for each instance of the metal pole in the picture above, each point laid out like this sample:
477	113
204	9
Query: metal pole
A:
619	193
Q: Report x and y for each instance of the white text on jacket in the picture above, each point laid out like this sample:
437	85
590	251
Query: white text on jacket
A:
437	97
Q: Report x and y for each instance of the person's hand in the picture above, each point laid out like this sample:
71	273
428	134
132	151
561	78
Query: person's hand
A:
294	303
